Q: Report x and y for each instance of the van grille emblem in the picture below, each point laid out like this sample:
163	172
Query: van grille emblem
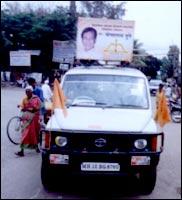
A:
100	142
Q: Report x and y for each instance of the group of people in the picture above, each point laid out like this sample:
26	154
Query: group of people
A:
33	110
173	91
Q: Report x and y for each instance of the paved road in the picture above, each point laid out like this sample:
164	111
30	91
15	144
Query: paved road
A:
20	177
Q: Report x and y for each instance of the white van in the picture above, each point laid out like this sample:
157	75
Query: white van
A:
109	129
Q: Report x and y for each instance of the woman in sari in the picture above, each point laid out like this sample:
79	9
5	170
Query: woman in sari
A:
162	115
30	121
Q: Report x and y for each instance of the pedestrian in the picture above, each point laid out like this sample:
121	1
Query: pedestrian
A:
30	108
19	82
162	115
168	91
47	93
38	91
4	76
177	92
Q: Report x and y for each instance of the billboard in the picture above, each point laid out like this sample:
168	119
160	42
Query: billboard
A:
32	52
63	51
104	39
20	58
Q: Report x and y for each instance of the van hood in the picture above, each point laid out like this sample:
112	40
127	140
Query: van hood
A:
102	119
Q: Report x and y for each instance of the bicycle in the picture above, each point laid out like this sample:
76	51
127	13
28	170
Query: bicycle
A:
14	129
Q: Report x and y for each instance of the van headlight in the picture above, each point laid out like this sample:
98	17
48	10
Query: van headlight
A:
140	144
61	141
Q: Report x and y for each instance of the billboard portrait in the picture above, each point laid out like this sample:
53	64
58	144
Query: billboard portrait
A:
104	39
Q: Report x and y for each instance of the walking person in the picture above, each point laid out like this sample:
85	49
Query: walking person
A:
162	115
38	91
168	91
47	93
30	108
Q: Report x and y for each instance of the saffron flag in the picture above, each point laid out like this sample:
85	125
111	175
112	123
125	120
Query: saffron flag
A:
59	98
162	115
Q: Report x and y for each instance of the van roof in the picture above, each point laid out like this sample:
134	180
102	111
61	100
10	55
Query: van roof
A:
101	70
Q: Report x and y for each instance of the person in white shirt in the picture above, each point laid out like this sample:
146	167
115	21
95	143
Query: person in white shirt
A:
168	91
47	93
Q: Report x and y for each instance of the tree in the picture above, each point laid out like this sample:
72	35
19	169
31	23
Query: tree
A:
173	56
153	65
138	55
137	47
166	69
34	29
99	9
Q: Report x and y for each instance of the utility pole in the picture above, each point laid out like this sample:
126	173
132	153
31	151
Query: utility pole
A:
73	8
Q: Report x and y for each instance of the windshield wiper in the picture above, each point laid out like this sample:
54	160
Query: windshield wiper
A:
101	103
87	103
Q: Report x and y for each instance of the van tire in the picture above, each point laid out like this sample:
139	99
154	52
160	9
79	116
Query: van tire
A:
148	180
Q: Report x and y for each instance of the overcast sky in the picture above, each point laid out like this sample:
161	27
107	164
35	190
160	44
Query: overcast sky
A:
157	23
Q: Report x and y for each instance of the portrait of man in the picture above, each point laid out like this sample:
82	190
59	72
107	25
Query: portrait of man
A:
88	36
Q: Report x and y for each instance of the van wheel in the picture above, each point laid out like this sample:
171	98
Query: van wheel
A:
147	180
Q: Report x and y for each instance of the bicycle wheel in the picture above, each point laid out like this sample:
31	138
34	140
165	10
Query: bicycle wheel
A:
14	130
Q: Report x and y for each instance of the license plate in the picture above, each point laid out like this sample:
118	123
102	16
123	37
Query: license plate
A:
58	159
99	166
140	160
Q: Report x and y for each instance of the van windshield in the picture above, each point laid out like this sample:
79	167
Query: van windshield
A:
105	90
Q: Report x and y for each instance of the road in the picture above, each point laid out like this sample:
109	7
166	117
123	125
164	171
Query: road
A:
20	177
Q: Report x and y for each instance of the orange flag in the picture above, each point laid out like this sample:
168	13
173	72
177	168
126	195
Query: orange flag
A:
162	115
59	98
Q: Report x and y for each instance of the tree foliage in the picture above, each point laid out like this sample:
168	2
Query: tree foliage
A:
148	64
139	54
173	57
28	29
99	9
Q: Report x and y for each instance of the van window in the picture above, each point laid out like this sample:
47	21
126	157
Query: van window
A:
109	90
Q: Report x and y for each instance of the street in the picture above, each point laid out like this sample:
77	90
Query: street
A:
20	177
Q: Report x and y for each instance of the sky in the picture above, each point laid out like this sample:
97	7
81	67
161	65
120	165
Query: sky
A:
157	23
